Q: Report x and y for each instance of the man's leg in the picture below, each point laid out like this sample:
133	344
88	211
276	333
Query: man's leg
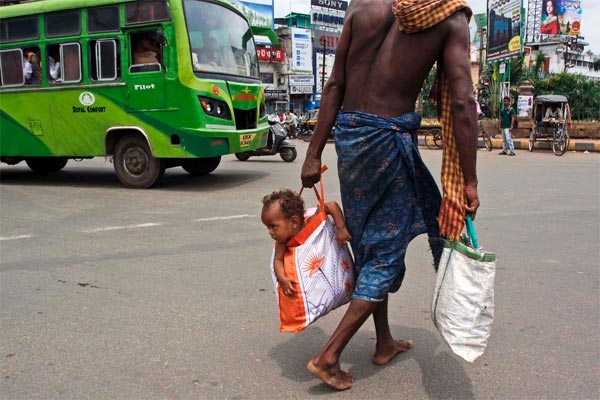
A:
504	141
509	142
386	348
326	365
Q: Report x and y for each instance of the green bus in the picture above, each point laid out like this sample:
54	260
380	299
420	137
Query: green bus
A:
151	84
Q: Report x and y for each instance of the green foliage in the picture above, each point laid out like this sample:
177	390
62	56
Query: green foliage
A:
583	94
429	110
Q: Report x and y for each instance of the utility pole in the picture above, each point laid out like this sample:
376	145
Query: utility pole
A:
481	33
324	43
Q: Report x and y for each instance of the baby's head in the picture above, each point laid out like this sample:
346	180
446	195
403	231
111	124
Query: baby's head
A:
283	214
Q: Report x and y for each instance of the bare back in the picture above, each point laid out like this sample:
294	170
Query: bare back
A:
384	69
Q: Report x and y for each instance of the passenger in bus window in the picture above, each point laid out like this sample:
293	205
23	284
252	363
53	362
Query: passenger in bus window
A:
32	71
145	49
54	70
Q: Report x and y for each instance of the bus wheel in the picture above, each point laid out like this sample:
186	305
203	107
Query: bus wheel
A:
201	166
134	164
46	164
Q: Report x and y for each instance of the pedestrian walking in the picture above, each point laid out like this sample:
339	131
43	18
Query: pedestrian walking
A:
379	164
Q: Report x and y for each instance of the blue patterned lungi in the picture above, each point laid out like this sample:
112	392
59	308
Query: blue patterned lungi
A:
388	196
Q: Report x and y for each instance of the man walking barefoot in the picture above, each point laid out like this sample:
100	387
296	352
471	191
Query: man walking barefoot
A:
388	194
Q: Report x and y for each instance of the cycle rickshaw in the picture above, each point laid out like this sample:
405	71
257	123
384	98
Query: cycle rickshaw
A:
550	114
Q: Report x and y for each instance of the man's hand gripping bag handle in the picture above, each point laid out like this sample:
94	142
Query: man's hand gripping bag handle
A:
320	196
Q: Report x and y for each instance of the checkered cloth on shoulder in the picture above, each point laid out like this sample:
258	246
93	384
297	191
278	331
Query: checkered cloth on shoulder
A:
415	16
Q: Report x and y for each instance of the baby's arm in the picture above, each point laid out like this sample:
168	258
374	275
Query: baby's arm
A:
332	208
287	284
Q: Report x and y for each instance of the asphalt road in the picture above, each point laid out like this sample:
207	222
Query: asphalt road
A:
110	293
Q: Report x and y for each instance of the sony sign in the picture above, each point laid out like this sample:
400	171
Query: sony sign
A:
333	4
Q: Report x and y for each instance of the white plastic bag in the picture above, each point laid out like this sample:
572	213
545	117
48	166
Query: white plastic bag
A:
324	271
463	300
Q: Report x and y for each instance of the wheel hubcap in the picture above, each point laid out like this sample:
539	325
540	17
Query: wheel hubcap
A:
135	161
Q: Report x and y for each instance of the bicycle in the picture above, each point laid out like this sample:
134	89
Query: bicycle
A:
433	138
487	139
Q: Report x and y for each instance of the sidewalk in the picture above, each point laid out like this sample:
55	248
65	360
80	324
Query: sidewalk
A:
575	144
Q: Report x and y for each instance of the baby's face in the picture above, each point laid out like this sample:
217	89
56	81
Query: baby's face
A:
281	229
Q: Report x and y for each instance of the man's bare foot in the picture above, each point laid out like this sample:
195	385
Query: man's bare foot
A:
334	376
384	356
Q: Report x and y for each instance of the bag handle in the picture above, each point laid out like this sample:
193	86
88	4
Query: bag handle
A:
471	232
320	196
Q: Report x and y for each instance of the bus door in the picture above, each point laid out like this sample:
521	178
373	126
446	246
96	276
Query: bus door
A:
146	77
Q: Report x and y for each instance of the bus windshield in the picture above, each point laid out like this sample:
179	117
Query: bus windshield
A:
220	39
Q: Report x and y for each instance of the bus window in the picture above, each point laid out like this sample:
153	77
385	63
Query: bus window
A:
64	63
103	19
104	60
146	52
12	30
32	69
63	24
146	11
11	67
213	26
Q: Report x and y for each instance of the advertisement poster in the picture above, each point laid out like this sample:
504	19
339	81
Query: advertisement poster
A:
524	105
301	50
504	29
561	17
258	12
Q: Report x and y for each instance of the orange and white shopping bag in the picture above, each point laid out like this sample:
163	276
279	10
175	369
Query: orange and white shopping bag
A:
323	269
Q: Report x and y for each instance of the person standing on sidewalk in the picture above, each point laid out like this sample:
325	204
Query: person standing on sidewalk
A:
507	119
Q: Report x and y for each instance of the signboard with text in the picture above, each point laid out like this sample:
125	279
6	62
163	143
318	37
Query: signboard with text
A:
258	12
270	54
326	39
504	30
328	14
301	50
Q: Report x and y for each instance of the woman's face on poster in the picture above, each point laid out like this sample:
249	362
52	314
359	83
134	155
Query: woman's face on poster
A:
549	7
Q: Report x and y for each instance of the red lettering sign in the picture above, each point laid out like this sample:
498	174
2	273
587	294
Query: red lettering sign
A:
270	54
245	97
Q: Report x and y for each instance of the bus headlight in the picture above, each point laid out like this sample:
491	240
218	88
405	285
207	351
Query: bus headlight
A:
215	108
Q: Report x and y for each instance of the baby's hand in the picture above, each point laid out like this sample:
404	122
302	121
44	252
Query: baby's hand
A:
287	286
343	236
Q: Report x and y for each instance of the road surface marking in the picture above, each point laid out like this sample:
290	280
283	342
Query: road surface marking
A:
115	228
224	218
15	237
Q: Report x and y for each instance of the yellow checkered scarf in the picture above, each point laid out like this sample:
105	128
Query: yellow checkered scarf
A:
415	16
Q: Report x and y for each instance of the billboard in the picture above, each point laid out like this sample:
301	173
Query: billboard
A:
301	50
505	22
258	12
561	17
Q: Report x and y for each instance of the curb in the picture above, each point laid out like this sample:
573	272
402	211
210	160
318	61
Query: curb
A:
574	145
523	144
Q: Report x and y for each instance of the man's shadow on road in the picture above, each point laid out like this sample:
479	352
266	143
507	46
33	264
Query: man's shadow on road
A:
443	375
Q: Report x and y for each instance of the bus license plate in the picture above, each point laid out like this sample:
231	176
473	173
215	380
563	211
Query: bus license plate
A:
246	139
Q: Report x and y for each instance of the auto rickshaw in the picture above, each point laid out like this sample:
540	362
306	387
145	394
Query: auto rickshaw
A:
550	115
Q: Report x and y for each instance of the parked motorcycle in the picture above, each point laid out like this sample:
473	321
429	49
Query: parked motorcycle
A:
277	143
